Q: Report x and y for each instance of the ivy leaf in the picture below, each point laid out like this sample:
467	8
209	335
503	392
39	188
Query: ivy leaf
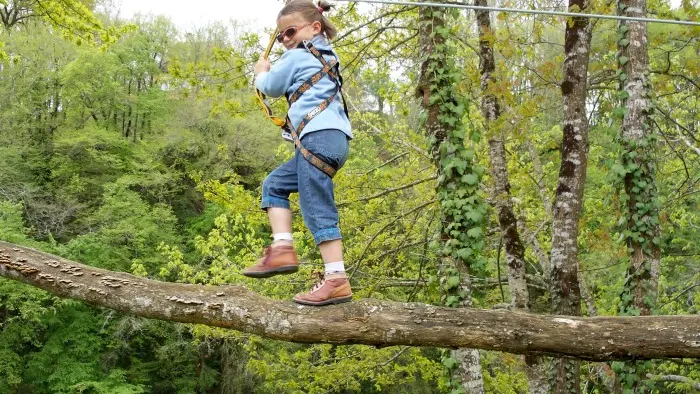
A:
475	232
474	216
617	366
619	169
452	301
623	95
626	298
464	253
623	59
468	154
449	362
619	112
452	282
470	179
634	311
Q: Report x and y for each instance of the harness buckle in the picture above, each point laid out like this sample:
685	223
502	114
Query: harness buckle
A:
287	136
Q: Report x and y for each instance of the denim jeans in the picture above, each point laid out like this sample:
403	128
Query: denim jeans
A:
315	188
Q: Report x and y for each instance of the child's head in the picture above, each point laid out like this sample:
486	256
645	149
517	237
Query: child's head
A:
301	20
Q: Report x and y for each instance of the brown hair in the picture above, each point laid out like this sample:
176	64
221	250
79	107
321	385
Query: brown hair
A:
311	13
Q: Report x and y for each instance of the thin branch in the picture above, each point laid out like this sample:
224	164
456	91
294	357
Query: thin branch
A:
389	191
675	378
377	131
384	228
380	16
393	159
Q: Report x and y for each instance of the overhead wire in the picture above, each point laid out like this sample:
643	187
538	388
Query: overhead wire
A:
524	11
265	105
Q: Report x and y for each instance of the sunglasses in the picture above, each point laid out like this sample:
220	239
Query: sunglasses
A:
290	32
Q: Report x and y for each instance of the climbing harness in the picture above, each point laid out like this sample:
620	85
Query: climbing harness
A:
289	133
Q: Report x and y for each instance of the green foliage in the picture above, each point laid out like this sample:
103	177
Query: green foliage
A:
69	353
72	19
126	230
636	173
147	156
114	383
503	374
321	368
87	159
23	308
11	222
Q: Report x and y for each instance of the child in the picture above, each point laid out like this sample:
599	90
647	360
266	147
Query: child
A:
324	132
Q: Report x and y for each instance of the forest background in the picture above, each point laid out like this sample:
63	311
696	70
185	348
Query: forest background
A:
133	146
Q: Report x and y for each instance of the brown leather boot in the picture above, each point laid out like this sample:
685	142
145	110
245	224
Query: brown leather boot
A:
276	260
333	289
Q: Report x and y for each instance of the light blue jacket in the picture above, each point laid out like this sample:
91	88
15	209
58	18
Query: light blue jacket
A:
286	76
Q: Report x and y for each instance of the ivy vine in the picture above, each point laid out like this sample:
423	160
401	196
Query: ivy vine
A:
635	174
463	209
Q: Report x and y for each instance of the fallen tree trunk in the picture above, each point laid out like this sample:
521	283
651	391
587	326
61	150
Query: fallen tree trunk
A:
368	322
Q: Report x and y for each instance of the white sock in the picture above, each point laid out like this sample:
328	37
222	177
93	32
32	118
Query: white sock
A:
282	237
335	268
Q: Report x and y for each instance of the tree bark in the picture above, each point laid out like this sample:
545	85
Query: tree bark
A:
566	295
469	367
515	251
508	224
490	108
368	322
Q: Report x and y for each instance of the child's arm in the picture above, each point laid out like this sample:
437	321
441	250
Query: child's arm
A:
274	83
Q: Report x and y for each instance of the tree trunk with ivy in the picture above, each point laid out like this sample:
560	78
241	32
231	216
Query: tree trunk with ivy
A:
637	171
638	166
462	210
508	223
566	294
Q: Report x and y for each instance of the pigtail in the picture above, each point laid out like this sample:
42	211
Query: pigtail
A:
312	12
324	5
329	28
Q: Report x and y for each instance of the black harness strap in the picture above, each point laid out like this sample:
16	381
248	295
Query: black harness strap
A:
326	70
336	77
332	70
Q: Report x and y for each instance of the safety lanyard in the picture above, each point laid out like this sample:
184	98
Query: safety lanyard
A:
261	97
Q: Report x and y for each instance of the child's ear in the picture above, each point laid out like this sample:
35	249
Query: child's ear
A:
316	26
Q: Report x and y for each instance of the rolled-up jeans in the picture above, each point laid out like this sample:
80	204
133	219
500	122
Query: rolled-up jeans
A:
315	188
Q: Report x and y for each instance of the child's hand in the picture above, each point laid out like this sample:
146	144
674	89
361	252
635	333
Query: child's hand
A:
262	65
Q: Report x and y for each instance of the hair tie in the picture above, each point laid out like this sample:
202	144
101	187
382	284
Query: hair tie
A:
320	9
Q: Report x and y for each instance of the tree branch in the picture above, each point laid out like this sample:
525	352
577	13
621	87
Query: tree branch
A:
675	378
367	321
389	191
